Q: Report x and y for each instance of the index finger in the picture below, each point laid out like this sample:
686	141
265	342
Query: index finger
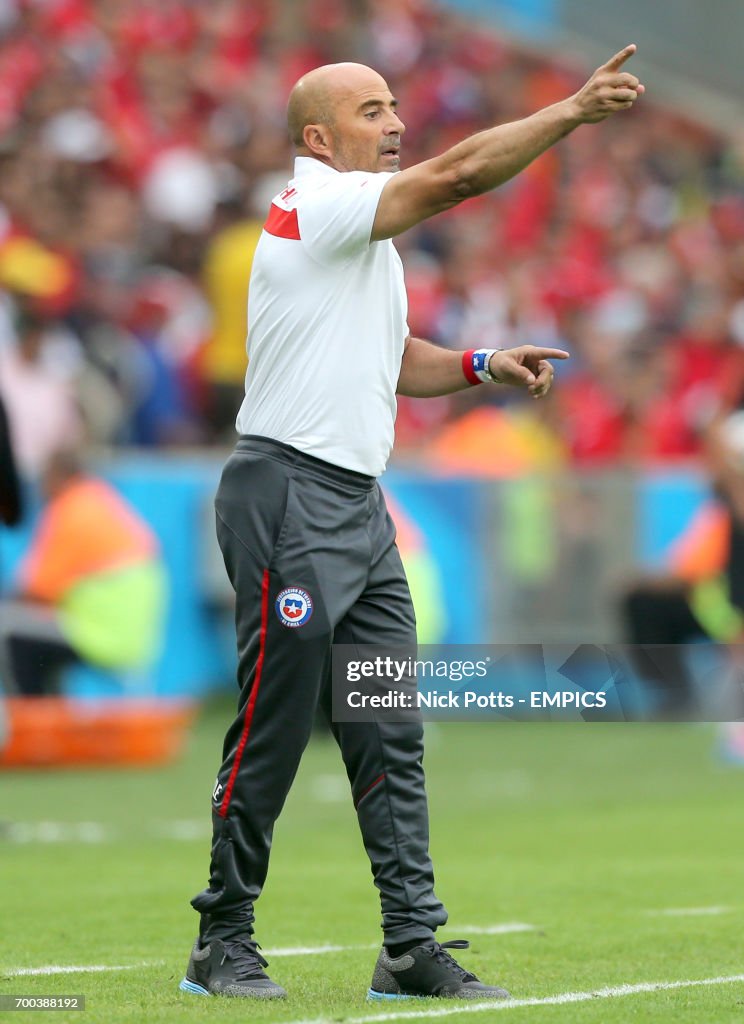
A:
616	62
550	353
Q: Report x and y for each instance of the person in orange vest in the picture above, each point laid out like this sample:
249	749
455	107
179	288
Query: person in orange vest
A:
91	588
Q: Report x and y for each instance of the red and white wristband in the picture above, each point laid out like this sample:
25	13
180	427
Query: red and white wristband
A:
475	366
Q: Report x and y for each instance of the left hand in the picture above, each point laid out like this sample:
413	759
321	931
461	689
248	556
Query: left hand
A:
526	366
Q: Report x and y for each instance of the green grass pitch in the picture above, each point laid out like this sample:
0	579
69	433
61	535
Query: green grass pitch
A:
589	833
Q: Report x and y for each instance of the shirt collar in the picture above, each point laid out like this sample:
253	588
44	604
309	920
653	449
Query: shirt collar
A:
304	166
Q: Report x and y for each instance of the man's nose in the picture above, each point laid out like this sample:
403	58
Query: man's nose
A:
395	126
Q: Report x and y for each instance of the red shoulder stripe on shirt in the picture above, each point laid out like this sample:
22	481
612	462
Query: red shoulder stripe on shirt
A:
282	223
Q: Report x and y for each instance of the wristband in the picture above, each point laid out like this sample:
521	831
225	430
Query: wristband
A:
475	366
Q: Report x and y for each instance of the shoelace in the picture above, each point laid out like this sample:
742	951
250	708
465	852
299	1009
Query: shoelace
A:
244	954
440	954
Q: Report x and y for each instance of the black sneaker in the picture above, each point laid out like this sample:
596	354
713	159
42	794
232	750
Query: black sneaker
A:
229	969
428	971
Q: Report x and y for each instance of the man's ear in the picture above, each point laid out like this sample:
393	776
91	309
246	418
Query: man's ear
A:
317	139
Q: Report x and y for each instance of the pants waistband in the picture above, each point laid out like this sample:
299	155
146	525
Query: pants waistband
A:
294	457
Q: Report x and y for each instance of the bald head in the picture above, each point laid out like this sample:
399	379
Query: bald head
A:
315	98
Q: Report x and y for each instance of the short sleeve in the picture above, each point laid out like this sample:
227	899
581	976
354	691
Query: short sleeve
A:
335	219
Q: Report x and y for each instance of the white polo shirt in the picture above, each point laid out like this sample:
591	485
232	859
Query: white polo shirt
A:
326	321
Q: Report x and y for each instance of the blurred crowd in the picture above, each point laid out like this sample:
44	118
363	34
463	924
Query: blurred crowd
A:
141	143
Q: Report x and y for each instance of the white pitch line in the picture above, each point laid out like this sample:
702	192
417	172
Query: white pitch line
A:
183	831
514	1004
688	911
313	950
18	972
494	929
57	832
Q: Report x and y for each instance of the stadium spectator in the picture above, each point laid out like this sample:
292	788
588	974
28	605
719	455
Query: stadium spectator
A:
91	588
37	385
227	266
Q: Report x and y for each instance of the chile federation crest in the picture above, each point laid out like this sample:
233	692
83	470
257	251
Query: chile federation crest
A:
294	607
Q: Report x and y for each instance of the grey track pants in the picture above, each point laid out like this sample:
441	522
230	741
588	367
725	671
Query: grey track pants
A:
289	522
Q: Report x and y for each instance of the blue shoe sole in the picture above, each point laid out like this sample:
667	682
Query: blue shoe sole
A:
374	997
192	988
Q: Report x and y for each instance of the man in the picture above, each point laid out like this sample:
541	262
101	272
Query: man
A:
90	589
307	541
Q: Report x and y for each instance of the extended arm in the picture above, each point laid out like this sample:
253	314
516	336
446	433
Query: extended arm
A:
488	159
427	370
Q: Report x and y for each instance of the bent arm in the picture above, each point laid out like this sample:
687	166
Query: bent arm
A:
428	370
488	159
